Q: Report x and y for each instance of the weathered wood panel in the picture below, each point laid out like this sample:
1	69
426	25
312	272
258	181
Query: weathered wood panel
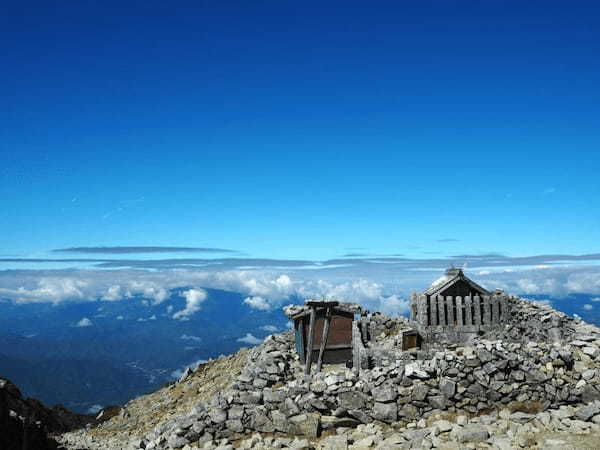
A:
433	311
459	312
477	309
495	309
441	310
468	310
311	337
340	329
505	312
487	310
450	310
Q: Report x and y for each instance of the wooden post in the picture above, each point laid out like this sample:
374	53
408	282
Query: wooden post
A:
468	311
495	309
421	313
433	314
324	337
450	310
487	310
504	314
357	345
441	309
459	312
477	305
311	340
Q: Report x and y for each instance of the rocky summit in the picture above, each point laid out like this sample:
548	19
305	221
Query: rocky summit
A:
534	383
25	423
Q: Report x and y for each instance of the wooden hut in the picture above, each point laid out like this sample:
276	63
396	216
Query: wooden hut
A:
455	301
331	334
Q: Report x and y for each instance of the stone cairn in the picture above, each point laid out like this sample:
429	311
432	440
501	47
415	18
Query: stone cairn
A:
537	356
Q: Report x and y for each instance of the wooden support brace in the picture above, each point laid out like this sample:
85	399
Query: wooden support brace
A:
324	337
311	340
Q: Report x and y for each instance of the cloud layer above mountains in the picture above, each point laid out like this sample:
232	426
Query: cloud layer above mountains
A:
119	250
382	284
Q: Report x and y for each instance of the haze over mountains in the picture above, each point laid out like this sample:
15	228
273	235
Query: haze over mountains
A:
94	326
96	352
100	353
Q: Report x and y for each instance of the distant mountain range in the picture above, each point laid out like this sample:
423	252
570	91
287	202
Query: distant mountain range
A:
87	355
91	354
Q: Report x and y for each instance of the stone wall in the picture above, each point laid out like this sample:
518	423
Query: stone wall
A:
273	395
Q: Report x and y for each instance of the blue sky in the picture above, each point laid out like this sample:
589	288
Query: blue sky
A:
297	130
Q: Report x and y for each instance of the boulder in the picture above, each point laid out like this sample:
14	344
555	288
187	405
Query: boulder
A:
588	411
259	421
437	401
329	422
413	370
385	393
305	424
385	412
217	415
448	387
472	433
352	400
335	442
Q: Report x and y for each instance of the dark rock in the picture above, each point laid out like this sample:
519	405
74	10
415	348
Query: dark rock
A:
385	412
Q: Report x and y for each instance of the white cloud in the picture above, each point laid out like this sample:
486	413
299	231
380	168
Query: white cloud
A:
588	307
394	306
595	299
377	287
258	302
120	317
149	289
588	281
85	322
549	191
187	337
152	317
250	339
193	298
113	293
49	289
176	374
269	328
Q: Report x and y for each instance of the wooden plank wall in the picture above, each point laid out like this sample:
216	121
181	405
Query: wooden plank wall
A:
461	311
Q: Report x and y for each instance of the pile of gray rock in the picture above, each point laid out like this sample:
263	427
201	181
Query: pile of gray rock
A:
565	428
537	322
536	368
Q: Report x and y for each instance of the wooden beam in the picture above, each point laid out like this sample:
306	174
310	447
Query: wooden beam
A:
324	337
322	304
311	340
